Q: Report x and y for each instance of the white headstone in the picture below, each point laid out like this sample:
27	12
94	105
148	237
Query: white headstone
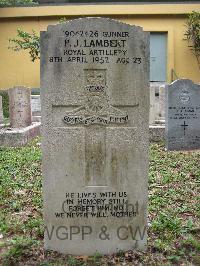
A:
95	111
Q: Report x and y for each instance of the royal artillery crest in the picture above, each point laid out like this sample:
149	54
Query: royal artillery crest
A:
97	108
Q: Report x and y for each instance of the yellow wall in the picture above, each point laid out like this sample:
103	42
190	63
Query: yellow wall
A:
17	68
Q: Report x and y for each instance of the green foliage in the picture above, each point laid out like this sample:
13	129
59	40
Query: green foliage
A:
20	246
73	261
96	259
5	100
193	34
63	20
13	3
27	41
20	190
173	214
166	223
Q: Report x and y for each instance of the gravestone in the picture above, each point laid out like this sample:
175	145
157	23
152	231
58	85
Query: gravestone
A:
183	115
152	111
35	105
154	104
1	111
95	111
19	107
162	102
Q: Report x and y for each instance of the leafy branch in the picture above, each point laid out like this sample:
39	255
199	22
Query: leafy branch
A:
193	34
27	41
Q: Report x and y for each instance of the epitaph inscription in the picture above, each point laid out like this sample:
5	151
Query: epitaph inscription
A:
94	95
183	115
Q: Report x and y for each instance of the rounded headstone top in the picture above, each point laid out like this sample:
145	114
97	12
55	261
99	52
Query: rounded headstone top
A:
87	20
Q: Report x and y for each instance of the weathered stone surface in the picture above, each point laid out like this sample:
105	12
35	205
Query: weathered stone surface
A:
156	133
152	112
36	118
154	103
183	115
162	102
19	107
35	105
1	110
10	137
95	112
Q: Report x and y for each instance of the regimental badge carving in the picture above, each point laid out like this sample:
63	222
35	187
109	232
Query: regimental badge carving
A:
97	108
184	96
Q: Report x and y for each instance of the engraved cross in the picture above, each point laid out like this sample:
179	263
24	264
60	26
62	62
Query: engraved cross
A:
184	127
96	113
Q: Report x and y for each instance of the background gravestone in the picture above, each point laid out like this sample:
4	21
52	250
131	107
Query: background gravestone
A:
35	105
183	115
19	107
162	102
95	112
152	110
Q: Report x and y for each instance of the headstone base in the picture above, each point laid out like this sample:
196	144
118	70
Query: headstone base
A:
156	133
36	118
13	137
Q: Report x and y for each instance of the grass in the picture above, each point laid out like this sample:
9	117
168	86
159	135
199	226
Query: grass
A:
174	213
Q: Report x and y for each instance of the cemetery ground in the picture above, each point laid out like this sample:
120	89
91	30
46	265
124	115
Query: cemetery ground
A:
174	221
